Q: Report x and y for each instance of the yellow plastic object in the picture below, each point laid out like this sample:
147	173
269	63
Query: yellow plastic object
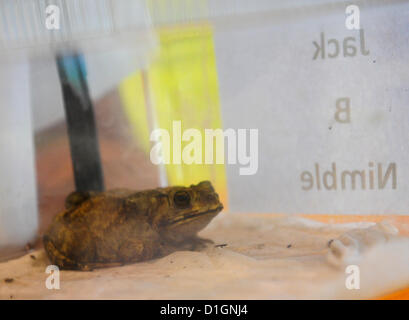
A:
179	85
133	100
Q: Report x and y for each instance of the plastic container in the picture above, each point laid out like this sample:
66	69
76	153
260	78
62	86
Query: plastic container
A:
315	110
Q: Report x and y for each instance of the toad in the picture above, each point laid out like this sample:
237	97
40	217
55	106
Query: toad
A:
112	228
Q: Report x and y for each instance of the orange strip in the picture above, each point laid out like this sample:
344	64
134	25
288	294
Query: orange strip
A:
398	295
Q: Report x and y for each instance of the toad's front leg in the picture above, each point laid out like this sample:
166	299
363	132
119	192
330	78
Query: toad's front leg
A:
195	243
189	244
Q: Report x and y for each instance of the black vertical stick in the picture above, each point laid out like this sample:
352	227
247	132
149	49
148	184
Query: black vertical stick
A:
81	126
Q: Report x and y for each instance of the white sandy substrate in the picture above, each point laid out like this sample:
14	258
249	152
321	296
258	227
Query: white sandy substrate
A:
266	257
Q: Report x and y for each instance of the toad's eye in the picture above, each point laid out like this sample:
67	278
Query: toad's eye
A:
181	199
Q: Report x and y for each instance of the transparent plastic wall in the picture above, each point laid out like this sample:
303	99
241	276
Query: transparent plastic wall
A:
324	85
330	104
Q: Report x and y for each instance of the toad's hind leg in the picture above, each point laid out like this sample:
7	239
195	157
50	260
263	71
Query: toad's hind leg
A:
58	258
63	262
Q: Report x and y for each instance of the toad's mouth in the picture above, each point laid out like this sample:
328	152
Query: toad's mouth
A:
194	214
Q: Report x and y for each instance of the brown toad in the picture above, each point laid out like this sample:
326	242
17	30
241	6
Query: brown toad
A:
122	226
